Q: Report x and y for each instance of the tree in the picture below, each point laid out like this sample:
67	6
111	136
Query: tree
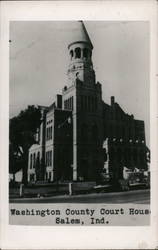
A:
22	130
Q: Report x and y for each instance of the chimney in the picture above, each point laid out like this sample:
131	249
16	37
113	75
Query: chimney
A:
112	100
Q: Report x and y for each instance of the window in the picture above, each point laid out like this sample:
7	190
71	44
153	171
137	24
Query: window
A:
38	156
30	161
48	132
66	104
46	158
32	177
88	103
69	103
38	160
51	132
49	158
34	160
39	135
77	53
85	53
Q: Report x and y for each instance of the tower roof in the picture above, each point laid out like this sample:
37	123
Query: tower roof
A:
80	34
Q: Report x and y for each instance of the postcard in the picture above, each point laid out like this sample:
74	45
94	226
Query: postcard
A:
79	128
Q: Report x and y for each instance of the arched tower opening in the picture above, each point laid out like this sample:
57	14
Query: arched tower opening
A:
80	51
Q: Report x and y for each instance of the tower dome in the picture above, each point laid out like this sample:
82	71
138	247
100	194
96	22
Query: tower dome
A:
80	35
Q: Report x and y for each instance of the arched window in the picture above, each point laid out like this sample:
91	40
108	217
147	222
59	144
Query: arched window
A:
46	158
34	160
85	53
51	158
77	53
71	54
48	133
30	161
51	132
38	156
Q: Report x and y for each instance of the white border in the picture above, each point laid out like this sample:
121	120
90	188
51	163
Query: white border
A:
27	237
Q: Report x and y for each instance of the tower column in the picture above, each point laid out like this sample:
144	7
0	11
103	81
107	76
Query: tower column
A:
81	53
75	140
80	71
74	149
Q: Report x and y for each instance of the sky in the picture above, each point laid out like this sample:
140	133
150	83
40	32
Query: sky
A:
39	61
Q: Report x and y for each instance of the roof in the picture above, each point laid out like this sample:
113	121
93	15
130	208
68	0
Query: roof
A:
80	34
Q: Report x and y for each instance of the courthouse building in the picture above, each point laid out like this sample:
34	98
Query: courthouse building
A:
80	135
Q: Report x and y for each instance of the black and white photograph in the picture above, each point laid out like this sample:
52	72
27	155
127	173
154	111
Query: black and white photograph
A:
79	114
78	125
